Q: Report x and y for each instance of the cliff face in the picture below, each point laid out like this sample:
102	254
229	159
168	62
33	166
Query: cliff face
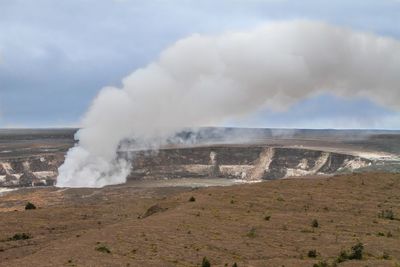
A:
248	163
251	163
29	171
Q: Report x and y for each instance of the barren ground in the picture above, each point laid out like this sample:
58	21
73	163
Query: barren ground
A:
76	227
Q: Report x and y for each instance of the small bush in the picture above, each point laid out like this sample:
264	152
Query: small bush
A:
315	223
357	251
343	256
267	217
321	264
103	248
234	265
30	206
312	253
205	263
20	236
192	199
252	233
386	214
355	254
385	256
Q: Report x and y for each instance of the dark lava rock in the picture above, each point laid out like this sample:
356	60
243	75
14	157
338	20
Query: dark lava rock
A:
27	179
152	210
10	180
2	170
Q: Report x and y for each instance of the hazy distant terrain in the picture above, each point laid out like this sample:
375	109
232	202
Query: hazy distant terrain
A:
31	157
31	142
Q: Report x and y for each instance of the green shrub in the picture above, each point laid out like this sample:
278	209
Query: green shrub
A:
103	248
20	236
385	256
343	256
386	214
205	263
356	251
234	265
355	254
30	206
315	223
192	199
252	233
312	253
321	264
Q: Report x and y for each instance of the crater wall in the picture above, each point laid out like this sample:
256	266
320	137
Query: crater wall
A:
251	163
241	162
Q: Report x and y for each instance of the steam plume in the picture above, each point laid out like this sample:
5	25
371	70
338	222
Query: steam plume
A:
203	80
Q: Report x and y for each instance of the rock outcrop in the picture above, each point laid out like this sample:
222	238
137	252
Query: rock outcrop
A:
250	163
29	171
246	162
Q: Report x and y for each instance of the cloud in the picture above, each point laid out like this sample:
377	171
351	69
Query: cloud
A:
46	54
325	111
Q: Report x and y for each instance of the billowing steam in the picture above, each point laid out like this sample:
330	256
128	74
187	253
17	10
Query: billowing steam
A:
203	80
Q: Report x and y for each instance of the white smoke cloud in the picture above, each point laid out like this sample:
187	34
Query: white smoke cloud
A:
203	80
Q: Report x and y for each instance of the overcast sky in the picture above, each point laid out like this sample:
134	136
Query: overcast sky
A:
56	55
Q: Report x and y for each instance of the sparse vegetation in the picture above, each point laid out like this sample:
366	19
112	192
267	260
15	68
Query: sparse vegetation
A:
321	264
385	256
30	206
252	233
20	236
205	263
315	223
355	254
184	224
357	251
103	248
234	265
386	214
343	256
192	199
312	253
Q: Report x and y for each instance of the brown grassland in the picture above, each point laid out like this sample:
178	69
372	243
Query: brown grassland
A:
272	223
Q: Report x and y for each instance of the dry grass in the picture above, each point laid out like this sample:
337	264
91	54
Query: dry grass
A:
224	224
